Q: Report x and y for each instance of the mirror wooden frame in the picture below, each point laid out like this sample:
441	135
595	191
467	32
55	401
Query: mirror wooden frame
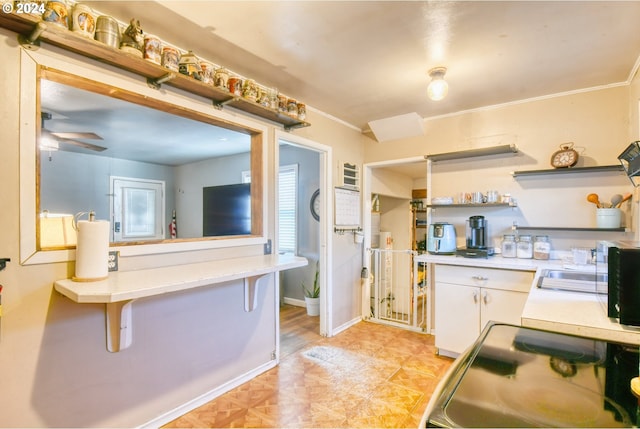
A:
34	67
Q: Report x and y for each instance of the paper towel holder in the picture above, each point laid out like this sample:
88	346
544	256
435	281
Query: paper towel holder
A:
91	216
3	263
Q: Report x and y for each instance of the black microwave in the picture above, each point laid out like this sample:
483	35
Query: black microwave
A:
623	283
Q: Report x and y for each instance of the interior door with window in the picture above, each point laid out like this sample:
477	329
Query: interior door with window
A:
137	211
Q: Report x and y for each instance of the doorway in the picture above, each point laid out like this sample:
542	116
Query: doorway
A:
302	228
398	291
137	209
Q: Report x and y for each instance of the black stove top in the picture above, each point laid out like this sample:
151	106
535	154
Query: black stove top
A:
521	377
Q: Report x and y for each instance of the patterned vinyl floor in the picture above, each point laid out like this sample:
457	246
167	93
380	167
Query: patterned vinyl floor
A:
369	376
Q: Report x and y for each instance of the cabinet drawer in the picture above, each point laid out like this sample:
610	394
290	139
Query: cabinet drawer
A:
493	278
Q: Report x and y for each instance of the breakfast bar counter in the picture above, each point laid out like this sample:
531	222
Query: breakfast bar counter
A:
120	289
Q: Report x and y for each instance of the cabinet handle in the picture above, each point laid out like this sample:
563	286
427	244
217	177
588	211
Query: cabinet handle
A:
485	297
480	278
475	296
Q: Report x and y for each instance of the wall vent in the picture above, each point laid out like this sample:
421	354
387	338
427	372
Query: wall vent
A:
349	175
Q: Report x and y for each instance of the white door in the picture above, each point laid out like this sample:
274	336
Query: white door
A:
457	316
502	306
137	211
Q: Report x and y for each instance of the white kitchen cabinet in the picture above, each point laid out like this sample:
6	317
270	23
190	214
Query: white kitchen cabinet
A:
466	298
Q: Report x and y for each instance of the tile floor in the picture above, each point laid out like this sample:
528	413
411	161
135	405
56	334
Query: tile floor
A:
370	375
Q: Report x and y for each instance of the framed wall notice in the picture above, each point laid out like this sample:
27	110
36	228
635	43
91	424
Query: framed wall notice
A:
347	208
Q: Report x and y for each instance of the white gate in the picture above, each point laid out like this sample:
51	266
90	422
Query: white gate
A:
398	289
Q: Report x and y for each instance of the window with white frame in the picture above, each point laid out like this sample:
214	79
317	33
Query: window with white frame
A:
287	206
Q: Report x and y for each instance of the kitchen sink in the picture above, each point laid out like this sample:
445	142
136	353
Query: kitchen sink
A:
578	281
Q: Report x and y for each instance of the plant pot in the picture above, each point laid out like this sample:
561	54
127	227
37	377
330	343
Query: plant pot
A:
313	306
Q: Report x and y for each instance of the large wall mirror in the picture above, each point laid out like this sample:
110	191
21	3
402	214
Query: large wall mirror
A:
141	163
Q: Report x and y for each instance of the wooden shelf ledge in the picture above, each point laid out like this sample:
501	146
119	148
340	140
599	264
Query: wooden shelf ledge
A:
120	289
32	30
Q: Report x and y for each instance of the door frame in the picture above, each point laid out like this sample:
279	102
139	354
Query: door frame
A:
326	215
160	229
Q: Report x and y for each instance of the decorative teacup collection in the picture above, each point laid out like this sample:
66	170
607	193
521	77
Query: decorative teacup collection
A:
131	39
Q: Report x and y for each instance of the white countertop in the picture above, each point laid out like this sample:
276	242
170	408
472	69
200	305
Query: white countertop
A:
128	285
490	262
573	313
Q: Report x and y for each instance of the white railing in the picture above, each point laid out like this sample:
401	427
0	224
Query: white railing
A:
399	293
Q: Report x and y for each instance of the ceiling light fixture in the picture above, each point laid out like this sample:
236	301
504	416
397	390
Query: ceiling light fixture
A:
438	87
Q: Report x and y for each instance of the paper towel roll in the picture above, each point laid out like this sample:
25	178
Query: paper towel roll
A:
92	251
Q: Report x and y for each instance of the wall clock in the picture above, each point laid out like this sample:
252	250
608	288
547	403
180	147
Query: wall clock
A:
314	205
565	157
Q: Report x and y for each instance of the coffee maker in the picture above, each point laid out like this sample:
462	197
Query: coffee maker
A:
476	239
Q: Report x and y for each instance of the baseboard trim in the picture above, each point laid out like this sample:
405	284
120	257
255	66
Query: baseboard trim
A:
295	302
207	397
346	326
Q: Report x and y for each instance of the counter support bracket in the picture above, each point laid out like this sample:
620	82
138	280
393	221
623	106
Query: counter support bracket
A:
251	292
119	326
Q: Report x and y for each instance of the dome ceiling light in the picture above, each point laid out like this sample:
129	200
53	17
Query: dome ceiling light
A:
438	87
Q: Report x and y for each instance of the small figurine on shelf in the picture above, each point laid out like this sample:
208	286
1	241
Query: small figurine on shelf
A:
133	39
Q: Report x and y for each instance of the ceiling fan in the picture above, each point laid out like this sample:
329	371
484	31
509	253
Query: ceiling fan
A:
51	140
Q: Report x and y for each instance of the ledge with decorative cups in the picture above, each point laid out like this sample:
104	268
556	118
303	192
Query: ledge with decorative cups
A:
256	100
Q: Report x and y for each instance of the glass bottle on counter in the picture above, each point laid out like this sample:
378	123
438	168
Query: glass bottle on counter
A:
509	246
524	247
541	247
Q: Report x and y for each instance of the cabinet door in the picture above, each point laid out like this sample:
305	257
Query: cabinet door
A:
457	316
502	306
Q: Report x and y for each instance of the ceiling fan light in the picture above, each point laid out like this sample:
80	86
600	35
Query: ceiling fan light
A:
438	87
47	143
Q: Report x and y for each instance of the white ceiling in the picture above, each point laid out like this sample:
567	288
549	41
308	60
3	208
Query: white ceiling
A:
134	132
363	60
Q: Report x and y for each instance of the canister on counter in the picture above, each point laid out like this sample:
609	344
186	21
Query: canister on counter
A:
509	246
524	248
541	247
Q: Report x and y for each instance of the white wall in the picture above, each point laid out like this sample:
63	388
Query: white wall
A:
192	178
597	122
75	182
54	366
390	183
308	162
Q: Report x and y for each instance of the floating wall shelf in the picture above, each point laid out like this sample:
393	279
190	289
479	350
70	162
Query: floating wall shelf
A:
573	170
472	205
32	30
473	153
555	228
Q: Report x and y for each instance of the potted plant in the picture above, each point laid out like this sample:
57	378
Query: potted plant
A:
312	296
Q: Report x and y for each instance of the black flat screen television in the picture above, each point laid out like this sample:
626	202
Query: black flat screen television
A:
226	210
